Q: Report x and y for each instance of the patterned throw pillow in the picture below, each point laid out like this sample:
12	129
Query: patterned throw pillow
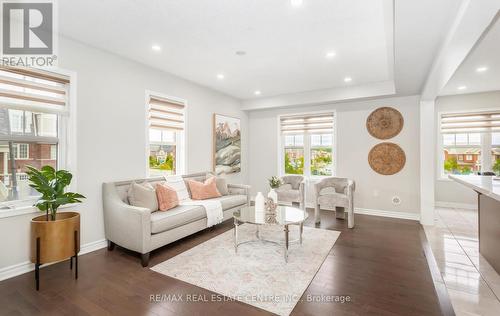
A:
203	191
167	197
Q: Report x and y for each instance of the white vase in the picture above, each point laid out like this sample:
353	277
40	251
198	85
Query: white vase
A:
259	202
273	195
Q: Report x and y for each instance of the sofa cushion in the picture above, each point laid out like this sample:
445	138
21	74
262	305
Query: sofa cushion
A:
143	195
178	216
230	201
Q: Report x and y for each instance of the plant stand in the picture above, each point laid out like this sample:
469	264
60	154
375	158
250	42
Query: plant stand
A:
55	241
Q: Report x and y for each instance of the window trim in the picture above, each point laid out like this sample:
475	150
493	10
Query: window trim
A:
307	140
180	137
67	144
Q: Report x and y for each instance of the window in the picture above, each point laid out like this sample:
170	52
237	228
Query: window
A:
465	137
495	152
307	144
166	136
33	102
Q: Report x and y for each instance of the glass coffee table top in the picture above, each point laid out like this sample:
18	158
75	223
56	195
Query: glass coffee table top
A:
285	215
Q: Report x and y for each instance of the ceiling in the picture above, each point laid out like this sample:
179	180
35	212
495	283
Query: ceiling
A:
480	71
374	41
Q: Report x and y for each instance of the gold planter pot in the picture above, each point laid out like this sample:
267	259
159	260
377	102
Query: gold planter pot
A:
53	241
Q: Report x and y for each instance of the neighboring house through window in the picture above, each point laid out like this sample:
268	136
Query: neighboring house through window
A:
307	144
469	142
34	103
166	130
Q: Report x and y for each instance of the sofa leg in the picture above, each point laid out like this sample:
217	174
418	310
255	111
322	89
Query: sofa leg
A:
145	259
111	245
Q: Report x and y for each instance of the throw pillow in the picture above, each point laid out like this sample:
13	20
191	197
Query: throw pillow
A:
221	186
203	191
167	197
142	195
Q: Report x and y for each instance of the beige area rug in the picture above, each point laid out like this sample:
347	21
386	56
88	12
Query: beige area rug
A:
258	274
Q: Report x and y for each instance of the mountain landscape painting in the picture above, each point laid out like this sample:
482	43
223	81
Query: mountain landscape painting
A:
227	144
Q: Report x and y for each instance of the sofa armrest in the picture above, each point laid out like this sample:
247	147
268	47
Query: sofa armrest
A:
125	225
242	189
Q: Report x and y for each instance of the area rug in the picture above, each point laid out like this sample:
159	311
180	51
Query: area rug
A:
257	274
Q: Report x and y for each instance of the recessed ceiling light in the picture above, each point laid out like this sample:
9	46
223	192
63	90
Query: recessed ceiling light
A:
481	69
296	3
156	48
257	92
462	88
330	54
347	79
220	76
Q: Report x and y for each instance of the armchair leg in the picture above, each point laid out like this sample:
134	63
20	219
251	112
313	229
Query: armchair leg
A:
111	245
350	219
145	259
317	218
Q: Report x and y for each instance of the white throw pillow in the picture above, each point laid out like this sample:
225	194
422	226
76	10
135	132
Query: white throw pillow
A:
143	195
178	184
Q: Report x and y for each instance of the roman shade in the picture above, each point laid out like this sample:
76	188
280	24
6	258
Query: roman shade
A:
307	123
471	122
33	89
166	114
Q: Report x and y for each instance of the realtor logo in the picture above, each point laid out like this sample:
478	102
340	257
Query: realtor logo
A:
27	28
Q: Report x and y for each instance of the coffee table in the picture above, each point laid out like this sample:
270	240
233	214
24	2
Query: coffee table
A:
284	217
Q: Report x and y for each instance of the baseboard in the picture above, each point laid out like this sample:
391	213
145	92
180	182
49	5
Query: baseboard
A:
393	214
464	206
27	266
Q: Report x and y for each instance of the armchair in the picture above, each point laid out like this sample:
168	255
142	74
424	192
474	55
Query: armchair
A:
291	190
335	194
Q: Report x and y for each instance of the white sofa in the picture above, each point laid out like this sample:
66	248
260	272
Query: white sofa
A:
141	230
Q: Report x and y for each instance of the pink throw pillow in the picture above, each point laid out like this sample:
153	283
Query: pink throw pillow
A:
202	191
167	197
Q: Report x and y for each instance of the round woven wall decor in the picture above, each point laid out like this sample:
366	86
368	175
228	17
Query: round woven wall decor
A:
384	123
387	158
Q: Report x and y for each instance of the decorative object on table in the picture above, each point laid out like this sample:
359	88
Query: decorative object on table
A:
227	144
259	202
274	183
387	158
335	194
54	236
384	123
270	206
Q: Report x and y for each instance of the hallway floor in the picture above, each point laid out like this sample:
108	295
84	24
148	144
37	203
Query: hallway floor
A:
473	285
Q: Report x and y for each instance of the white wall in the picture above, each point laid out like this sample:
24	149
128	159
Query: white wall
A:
111	134
446	190
373	191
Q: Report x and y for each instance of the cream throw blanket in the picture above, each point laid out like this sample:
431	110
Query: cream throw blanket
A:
213	208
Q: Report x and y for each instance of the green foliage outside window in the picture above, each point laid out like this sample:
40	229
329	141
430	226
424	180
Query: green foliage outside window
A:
168	164
295	166
451	166
321	162
496	166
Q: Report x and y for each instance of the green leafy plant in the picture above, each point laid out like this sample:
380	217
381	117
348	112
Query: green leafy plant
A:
496	166
274	182
51	184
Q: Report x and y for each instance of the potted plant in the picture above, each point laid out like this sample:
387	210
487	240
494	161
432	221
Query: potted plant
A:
54	236
274	182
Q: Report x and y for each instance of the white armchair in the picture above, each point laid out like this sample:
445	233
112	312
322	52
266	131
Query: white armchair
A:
335	194
291	190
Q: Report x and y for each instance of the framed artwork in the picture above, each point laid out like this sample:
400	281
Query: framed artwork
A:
227	144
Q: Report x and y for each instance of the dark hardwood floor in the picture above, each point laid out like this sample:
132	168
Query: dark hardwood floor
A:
380	264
